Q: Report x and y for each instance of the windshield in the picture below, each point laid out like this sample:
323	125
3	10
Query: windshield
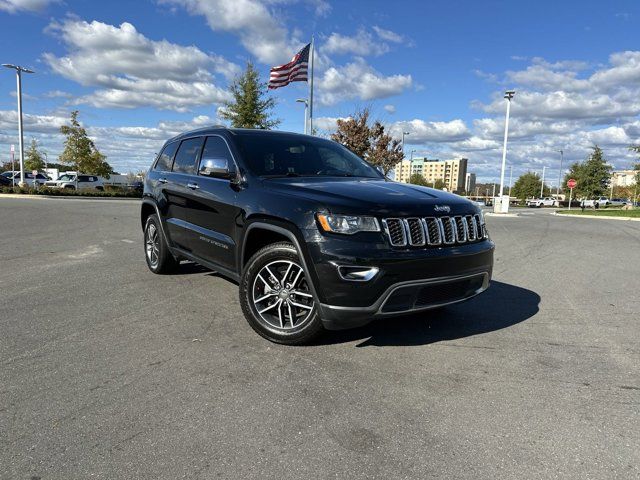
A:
283	155
66	178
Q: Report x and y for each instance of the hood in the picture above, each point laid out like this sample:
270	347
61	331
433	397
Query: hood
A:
382	198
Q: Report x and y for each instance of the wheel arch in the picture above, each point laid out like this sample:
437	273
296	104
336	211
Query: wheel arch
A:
148	208
281	231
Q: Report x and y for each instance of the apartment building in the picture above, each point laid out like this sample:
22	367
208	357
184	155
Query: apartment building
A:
452	172
623	178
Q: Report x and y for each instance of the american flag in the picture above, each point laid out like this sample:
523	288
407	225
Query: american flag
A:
294	71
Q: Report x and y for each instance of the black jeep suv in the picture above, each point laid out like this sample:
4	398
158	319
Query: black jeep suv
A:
316	237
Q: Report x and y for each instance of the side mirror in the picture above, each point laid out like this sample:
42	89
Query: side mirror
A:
216	167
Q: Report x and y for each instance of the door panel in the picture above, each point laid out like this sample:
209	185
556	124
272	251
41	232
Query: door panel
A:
177	193
213	210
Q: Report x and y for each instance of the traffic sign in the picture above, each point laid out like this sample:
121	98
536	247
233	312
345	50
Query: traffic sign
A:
571	183
35	172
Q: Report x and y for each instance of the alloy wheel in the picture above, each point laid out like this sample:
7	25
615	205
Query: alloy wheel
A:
151	245
281	295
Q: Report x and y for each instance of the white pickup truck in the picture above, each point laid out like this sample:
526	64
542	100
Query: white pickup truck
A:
542	202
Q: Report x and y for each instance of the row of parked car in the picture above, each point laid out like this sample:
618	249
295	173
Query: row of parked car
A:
593	203
66	181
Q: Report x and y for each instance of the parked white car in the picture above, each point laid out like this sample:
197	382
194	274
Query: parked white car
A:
29	178
542	202
85	182
602	202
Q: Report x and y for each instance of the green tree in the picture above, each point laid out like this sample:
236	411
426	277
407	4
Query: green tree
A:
636	167
80	151
527	186
417	179
33	159
250	108
592	176
439	184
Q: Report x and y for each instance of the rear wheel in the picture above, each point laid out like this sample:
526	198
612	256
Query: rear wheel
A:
156	251
276	297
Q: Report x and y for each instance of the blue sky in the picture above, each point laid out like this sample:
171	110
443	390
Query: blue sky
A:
142	71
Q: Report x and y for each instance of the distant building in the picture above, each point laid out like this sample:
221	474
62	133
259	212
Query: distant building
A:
623	178
470	183
453	172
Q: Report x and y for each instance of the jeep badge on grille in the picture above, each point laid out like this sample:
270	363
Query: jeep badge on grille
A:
442	208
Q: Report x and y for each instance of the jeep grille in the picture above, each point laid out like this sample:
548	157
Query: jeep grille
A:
433	231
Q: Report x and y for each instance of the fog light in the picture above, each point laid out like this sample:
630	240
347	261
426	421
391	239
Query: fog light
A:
357	274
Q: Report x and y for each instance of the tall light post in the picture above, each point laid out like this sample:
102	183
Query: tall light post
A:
560	172
19	71
403	134
306	109
412	152
508	95
542	184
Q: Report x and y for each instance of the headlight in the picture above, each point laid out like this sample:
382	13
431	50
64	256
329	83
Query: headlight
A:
347	224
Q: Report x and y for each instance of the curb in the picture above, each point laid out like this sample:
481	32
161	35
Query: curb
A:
599	217
493	214
67	197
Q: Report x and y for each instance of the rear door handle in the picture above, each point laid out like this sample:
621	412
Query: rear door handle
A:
193	186
163	180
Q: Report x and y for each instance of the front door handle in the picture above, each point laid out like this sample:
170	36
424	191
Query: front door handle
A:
163	180
193	186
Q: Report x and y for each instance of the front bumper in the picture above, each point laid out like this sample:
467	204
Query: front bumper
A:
408	280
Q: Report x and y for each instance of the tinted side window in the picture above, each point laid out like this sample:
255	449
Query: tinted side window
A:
166	157
188	154
216	147
83	178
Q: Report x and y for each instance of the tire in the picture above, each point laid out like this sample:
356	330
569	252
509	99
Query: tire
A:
281	309
156	252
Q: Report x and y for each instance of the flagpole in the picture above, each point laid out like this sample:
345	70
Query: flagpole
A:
312	54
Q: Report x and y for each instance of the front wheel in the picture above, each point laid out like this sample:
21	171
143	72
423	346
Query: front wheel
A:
276	297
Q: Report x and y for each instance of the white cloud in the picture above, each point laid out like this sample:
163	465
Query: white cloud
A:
358	80
388	35
362	43
421	131
132	70
259	30
390	108
14	6
327	124
57	94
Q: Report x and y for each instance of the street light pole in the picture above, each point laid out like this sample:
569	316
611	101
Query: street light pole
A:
306	109
542	184
403	134
508	95
19	71
412	152
560	172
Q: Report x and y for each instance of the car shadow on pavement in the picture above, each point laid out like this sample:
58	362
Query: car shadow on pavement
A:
501	306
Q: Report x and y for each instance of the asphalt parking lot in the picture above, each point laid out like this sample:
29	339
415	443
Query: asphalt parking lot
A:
109	371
